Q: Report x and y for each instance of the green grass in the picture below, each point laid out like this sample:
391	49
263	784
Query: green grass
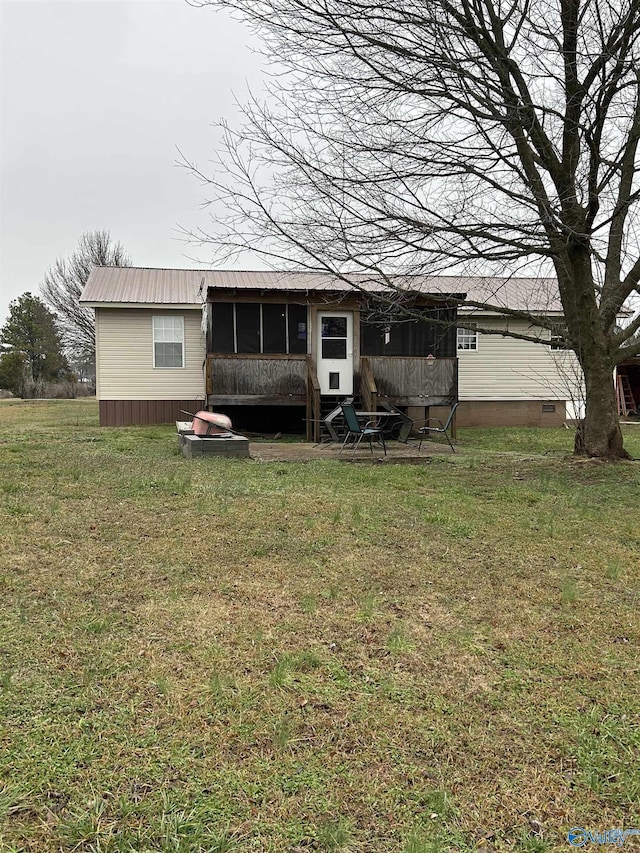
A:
224	655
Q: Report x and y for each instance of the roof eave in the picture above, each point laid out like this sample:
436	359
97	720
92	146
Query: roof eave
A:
176	306
496	312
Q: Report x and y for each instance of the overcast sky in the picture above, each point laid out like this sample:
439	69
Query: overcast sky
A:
95	96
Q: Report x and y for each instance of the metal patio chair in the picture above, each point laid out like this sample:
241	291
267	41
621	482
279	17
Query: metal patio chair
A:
398	428
441	428
356	432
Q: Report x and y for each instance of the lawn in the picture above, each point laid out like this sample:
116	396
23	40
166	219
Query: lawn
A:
225	655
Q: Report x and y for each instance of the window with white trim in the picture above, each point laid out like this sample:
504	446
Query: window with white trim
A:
467	339
168	341
557	342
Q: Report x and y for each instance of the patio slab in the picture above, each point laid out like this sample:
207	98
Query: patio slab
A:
279	451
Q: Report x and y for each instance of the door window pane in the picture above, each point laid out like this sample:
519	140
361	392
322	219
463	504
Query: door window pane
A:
334	348
334	327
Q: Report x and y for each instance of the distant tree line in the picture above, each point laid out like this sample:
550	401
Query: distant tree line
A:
51	340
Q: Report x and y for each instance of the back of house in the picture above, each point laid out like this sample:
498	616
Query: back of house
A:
277	350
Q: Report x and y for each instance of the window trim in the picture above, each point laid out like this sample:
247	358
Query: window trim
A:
155	317
470	335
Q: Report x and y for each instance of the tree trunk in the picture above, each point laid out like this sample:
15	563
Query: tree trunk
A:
599	434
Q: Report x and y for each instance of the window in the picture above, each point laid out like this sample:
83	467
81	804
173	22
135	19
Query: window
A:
334	338
467	340
168	341
557	342
257	327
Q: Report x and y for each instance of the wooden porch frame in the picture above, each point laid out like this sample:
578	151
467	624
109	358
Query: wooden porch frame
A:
394	372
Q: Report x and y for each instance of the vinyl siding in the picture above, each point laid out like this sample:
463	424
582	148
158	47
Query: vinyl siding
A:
511	369
124	364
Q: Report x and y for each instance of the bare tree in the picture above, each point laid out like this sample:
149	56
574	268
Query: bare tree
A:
469	136
64	282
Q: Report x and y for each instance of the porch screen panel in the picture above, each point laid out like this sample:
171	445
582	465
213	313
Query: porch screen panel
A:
446	336
298	329
248	327
413	338
424	338
438	338
371	338
274	328
222	327
389	339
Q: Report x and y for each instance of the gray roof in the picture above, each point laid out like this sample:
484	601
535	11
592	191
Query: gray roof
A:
145	286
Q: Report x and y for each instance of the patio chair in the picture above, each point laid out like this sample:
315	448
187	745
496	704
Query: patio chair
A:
356	432
440	427
398	428
329	419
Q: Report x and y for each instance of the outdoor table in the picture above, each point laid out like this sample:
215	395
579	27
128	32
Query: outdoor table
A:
374	416
390	422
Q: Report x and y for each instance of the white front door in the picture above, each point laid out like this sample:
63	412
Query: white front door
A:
335	352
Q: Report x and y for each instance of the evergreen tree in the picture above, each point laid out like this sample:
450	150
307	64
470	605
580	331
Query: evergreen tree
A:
31	346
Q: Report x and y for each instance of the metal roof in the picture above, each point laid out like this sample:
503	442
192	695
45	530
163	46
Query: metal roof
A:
147	286
141	285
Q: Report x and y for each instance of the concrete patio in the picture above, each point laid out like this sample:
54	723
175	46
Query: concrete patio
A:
282	451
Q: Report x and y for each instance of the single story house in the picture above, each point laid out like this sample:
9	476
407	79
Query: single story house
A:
277	350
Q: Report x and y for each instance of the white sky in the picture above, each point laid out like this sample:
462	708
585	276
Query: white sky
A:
95	96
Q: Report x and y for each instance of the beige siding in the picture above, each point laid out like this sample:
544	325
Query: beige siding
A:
124	365
510	369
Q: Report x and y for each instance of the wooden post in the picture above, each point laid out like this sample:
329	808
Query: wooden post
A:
368	387
317	407
309	407
313	402
208	375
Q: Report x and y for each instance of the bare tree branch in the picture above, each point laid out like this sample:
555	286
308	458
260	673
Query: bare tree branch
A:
63	284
